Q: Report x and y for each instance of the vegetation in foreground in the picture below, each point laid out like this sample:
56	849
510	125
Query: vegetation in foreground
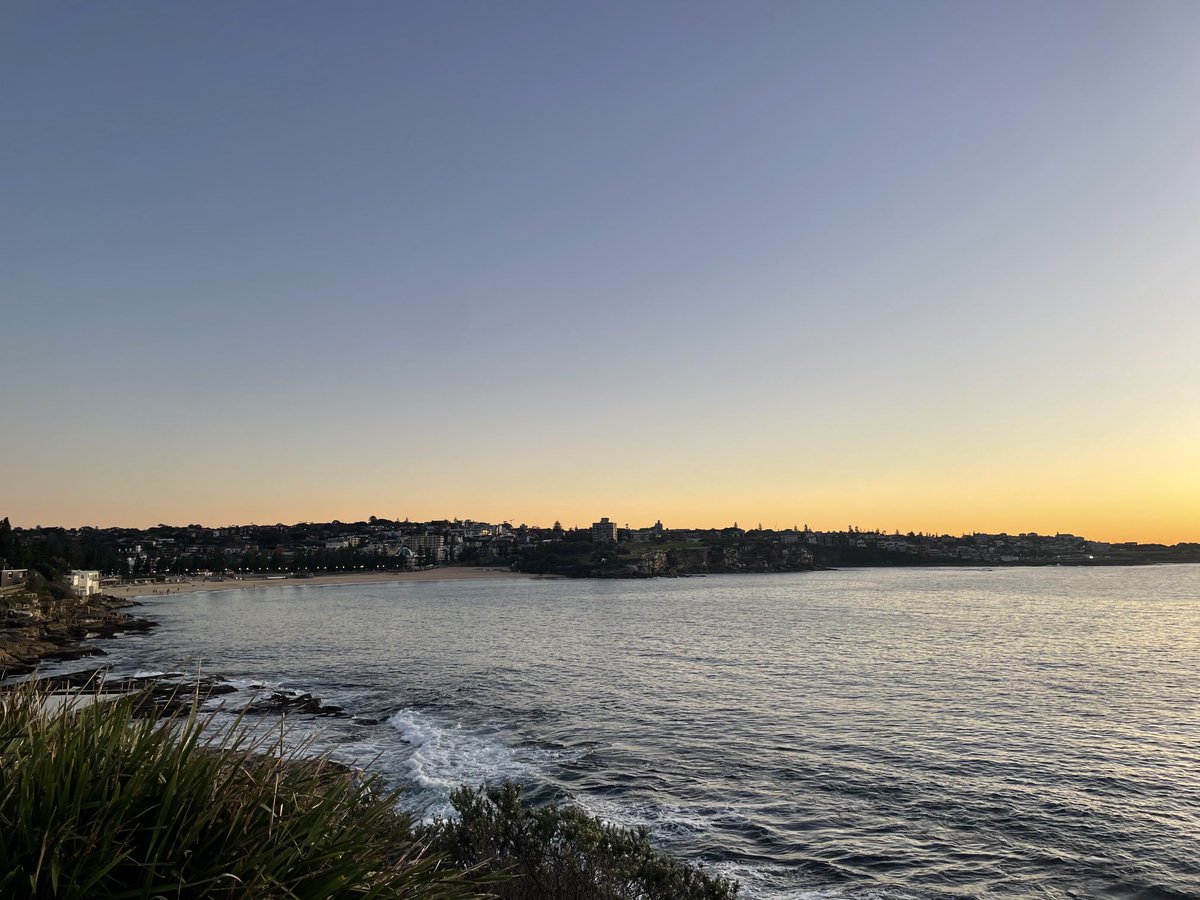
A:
98	803
561	852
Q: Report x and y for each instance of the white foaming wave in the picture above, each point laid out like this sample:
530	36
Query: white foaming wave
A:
446	755
760	882
662	819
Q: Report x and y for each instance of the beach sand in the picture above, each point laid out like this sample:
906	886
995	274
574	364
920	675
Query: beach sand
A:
197	585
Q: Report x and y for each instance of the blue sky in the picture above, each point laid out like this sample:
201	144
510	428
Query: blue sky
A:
705	261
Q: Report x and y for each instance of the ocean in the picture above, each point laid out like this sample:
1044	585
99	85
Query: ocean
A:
875	733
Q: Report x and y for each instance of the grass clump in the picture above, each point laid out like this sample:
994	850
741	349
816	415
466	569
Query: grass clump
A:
96	803
562	853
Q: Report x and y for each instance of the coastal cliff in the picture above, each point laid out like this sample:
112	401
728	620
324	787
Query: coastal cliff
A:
668	559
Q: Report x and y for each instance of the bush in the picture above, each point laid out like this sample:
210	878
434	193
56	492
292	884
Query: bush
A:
95	803
48	588
562	853
98	803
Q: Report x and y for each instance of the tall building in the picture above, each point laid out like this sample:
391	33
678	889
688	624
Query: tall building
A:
432	546
604	532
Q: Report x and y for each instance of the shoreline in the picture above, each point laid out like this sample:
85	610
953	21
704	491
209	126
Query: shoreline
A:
217	583
68	630
63	630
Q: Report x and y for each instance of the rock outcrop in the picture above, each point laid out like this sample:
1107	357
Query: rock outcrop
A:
33	629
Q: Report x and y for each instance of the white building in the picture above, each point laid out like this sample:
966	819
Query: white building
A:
432	546
84	582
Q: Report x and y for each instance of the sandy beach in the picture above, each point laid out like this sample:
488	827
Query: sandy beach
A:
216	583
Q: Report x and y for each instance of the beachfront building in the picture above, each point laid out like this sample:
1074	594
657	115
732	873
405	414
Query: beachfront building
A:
84	582
604	532
430	546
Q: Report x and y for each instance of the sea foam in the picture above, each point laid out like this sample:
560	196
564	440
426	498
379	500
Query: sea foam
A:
445	755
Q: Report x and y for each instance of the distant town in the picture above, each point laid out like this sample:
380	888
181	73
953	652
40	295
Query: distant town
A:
83	558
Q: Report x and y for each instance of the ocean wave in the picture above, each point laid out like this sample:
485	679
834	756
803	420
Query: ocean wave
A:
445	755
662	820
769	881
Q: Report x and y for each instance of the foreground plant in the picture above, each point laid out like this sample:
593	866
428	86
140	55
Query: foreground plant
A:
96	803
562	853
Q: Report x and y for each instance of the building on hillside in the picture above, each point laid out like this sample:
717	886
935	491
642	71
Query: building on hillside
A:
604	532
84	582
430	546
13	577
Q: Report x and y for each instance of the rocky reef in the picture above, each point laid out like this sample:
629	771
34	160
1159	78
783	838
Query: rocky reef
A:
167	693
34	628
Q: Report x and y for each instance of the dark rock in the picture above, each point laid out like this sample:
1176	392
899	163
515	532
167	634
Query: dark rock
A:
283	701
54	630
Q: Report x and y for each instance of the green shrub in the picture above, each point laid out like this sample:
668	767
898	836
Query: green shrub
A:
47	587
95	803
562	853
99	803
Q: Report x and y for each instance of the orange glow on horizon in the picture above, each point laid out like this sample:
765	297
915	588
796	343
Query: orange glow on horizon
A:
1138	485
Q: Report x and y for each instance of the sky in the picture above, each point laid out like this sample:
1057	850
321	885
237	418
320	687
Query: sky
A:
928	266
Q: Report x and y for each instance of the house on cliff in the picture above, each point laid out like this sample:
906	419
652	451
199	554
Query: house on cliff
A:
12	577
84	582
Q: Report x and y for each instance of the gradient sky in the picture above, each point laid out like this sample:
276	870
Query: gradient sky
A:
929	266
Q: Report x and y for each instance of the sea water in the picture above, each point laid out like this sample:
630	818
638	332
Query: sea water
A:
884	733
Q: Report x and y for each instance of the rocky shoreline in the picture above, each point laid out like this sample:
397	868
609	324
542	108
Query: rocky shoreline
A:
37	630
168	693
34	630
